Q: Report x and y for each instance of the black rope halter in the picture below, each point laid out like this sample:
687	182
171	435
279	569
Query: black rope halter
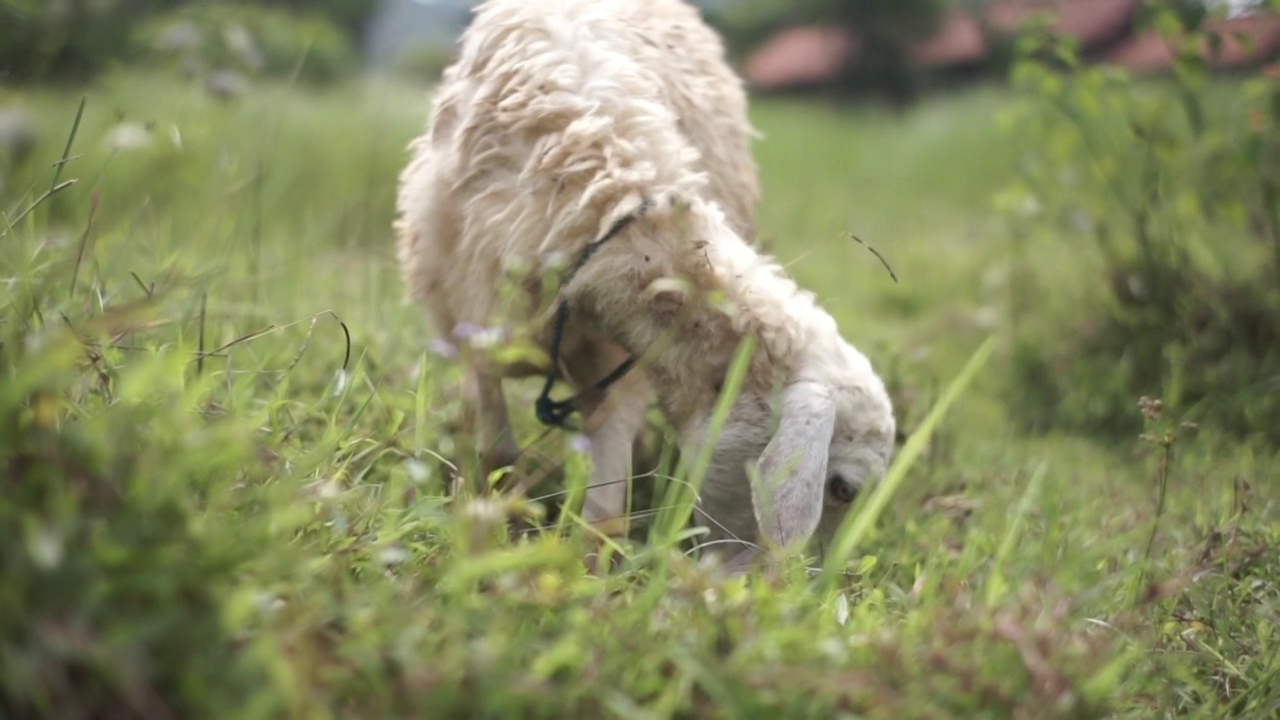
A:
555	413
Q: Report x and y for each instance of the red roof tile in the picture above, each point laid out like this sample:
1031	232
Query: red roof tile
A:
799	56
958	40
1149	52
1094	23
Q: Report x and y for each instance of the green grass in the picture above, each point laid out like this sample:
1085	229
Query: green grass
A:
211	516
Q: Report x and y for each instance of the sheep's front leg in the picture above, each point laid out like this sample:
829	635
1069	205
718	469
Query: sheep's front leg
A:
492	424
612	422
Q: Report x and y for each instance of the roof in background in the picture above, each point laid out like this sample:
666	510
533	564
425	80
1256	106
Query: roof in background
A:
958	40
1094	23
1149	52
812	55
799	56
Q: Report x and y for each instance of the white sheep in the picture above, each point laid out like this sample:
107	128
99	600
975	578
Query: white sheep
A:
566	122
710	104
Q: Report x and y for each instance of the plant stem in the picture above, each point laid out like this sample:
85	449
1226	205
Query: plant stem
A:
1162	484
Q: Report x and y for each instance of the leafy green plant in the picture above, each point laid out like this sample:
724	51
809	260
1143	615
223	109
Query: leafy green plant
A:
40	39
62	39
1171	183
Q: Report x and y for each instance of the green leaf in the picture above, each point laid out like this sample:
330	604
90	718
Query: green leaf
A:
867	564
1168	25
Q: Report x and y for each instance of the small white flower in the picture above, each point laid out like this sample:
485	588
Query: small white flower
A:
417	470
393	556
489	337
46	548
842	609
128	136
269	604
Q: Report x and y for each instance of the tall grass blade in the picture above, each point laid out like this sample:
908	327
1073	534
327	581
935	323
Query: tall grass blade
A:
995	582
66	151
855	528
54	186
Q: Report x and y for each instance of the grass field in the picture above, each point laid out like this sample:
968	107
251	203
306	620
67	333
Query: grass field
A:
210	516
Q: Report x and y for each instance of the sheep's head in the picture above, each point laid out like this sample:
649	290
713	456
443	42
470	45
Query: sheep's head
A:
791	456
861	443
806	451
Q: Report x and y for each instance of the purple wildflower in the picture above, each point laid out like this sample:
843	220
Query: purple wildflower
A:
443	348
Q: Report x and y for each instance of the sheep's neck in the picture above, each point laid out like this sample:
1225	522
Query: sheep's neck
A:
685	348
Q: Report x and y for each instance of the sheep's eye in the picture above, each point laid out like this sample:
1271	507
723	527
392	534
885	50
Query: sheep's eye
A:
841	489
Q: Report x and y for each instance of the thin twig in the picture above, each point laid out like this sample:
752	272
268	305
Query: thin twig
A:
38	202
200	354
271	329
875	252
150	291
84	242
1162	485
306	341
723	541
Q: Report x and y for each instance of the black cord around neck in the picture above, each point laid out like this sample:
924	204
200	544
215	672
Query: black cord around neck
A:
555	413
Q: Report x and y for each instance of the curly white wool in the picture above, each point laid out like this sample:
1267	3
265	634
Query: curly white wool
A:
559	118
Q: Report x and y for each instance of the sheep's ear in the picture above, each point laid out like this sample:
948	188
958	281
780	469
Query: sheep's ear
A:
788	494
667	296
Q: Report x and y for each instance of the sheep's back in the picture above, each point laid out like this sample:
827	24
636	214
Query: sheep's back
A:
557	114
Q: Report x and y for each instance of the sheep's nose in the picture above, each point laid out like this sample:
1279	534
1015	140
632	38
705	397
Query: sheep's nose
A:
841	489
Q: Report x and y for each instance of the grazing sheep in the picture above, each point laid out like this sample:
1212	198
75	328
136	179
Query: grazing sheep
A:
614	125
686	60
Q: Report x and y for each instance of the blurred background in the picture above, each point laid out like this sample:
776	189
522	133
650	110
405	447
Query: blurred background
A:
895	47
229	427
